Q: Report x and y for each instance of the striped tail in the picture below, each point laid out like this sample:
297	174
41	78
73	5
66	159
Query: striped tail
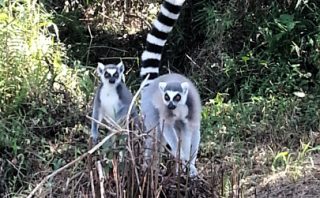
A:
156	39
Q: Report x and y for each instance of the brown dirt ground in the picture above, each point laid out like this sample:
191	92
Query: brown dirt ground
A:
285	184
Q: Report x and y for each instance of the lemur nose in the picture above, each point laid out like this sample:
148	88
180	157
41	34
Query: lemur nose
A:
171	106
112	81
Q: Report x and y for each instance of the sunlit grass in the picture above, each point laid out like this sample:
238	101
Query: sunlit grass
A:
40	94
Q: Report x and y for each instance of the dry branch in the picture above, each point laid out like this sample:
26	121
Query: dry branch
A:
92	185
71	163
101	179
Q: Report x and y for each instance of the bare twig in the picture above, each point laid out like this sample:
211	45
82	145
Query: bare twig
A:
70	179
71	163
91	39
101	178
108	47
133	101
77	183
196	64
129	140
92	185
116	175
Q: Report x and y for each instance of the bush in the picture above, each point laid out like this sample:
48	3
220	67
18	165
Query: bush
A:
249	48
40	95
274	121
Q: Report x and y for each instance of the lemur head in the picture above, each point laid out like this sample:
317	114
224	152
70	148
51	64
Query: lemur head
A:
174	93
110	73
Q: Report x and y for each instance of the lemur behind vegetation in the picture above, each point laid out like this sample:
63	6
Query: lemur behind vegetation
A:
170	103
112	98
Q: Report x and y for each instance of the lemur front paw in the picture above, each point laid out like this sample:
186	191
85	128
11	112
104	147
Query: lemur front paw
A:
193	171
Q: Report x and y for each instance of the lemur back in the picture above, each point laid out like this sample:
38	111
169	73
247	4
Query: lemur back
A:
112	98
170	103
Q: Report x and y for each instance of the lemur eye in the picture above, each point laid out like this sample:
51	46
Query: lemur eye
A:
116	75
177	98
107	75
166	97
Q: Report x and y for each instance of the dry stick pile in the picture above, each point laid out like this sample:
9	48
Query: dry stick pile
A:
128	178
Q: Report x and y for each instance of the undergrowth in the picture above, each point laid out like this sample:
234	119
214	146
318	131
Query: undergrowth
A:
282	121
256	65
40	95
248	48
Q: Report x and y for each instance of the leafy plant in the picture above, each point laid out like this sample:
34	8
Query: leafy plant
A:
273	117
247	49
40	94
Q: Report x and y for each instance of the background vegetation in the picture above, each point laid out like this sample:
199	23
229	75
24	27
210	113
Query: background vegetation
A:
256	64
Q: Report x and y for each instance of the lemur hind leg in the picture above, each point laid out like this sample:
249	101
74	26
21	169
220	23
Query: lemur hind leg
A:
97	115
195	136
150	125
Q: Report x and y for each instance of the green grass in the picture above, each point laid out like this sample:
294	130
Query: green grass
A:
268	139
276	116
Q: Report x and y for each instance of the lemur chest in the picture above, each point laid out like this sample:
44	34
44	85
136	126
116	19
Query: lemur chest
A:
110	101
180	113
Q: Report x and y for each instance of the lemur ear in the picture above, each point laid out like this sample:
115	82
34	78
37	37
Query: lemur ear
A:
185	87
162	86
100	69
121	66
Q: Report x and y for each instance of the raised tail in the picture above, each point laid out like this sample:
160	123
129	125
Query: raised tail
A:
156	39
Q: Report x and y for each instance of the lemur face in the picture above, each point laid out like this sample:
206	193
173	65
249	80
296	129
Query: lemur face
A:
174	93
110	73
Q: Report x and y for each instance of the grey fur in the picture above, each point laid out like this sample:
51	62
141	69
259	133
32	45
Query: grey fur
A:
181	123
173	87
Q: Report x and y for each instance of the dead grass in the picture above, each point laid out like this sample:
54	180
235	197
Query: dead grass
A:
245	173
103	174
96	175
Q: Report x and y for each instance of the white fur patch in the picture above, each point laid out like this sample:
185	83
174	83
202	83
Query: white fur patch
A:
185	87
162	27
109	100
120	66
150	55
167	13
176	2
146	70
111	71
172	94
100	68
162	86
154	40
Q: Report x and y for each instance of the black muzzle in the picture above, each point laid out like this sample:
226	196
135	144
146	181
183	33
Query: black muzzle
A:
112	80
171	106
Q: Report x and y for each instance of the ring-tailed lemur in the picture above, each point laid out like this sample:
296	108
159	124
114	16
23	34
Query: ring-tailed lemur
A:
170	103
112	98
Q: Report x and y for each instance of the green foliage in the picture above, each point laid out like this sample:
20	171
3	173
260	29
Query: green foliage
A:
40	95
293	163
283	120
249	48
263	56
216	22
